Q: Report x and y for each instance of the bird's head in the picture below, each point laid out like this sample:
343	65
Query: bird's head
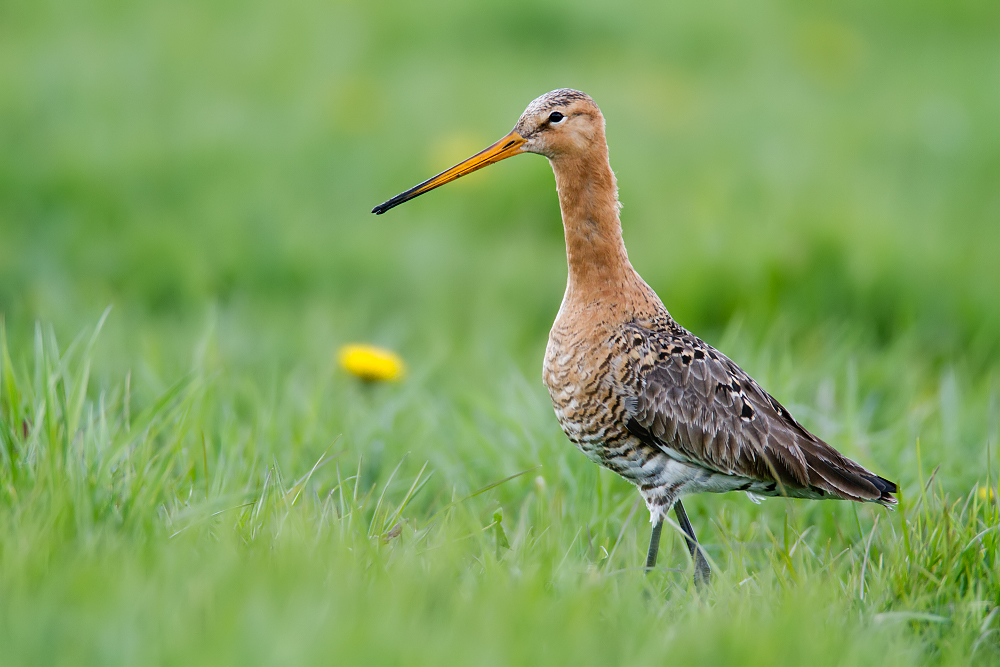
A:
557	124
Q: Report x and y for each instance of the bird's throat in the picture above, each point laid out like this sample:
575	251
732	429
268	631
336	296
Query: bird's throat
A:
595	251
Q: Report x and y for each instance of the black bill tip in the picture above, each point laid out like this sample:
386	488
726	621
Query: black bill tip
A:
415	191
392	203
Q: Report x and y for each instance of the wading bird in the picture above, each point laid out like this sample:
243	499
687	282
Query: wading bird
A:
634	390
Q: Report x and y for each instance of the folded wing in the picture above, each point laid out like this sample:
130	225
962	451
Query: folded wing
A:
696	404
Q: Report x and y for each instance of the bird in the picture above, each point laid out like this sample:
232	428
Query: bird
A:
635	391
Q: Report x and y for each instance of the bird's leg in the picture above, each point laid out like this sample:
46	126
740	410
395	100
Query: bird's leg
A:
702	570
654	544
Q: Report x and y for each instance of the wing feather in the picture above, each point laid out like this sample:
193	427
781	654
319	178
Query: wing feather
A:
696	404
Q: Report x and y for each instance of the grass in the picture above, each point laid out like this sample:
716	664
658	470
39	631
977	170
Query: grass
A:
192	480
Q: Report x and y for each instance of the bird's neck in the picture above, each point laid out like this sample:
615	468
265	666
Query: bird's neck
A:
588	196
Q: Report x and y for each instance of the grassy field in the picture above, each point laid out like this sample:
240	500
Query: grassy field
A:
187	477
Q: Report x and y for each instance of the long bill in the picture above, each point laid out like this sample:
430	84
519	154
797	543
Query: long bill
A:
505	148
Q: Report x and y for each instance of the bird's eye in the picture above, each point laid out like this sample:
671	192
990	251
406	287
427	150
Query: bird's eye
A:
555	117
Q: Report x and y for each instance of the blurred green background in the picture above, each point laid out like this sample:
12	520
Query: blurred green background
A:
834	165
812	175
812	187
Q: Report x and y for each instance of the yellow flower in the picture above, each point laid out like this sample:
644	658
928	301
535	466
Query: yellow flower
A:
370	363
987	493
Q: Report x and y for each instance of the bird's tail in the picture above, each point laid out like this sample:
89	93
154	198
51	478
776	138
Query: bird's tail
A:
886	489
834	473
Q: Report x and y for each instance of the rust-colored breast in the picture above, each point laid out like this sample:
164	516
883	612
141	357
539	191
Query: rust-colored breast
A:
578	374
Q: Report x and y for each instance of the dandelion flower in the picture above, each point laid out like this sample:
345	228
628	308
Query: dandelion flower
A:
371	363
986	493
